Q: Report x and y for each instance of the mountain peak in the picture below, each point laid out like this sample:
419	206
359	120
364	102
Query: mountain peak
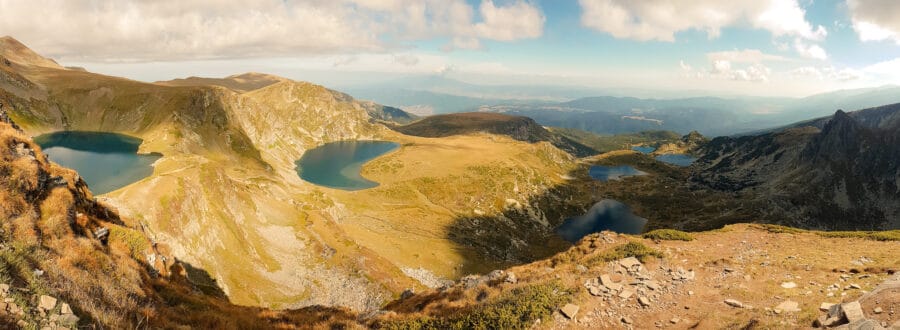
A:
15	51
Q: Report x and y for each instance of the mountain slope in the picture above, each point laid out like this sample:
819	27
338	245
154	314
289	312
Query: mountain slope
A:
842	176
516	127
227	197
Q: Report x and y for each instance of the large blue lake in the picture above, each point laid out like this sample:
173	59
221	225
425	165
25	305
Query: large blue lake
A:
606	214
337	164
606	173
106	161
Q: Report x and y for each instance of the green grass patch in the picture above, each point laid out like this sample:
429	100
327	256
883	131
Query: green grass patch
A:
630	249
516	309
888	235
134	239
668	235
884	236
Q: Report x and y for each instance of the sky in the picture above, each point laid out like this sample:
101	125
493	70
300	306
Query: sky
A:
737	47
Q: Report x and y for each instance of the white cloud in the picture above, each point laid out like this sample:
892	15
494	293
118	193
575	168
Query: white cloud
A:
131	30
406	59
827	73
722	69
744	56
875	20
809	51
887	71
661	19
517	21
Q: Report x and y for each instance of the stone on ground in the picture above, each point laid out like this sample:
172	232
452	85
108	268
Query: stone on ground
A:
569	310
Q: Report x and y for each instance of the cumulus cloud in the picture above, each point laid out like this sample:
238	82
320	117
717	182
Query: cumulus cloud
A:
661	19
744	56
875	20
827	73
809	51
722	69
132	30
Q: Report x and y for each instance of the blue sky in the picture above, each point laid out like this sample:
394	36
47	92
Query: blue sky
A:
752	47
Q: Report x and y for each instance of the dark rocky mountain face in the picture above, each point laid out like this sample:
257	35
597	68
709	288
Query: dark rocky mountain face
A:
838	173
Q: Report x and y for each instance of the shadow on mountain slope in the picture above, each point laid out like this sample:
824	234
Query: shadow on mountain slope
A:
526	231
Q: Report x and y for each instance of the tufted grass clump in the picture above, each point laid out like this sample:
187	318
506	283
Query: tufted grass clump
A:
516	309
668	235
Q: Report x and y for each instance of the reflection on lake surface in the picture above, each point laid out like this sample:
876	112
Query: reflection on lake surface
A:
606	214
337	164
106	161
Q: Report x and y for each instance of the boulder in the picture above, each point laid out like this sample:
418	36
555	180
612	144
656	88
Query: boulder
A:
629	262
47	302
569	310
853	311
644	301
511	278
788	306
68	320
605	280
734	303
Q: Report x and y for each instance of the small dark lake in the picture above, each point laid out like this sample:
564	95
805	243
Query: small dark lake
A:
677	159
106	161
337	164
606	214
606	173
644	149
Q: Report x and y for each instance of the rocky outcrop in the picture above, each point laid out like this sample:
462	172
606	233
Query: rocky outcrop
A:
845	175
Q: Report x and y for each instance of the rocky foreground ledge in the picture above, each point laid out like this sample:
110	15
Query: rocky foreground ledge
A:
742	276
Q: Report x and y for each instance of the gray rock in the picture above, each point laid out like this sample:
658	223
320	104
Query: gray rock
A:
865	324
65	309
405	295
68	320
629	262
788	306
605	280
569	310
495	275
877	310
4	289
825	306
788	285
625	294
511	278
734	303
853	311
626	320
47	302
644	301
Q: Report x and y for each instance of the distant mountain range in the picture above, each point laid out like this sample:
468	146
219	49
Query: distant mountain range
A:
516	127
572	107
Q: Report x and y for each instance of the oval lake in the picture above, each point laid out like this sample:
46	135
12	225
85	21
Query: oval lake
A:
606	214
106	161
337	164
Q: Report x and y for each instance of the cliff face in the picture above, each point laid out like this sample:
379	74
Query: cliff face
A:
842	176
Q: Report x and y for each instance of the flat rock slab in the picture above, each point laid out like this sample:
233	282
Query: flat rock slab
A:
853	311
570	310
788	306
